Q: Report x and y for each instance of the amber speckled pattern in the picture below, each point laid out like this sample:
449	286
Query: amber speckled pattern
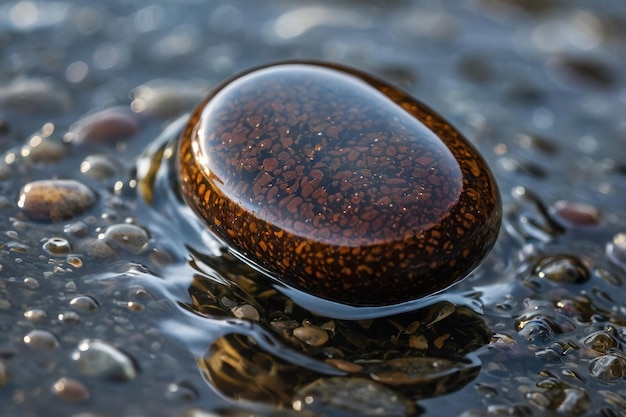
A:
338	184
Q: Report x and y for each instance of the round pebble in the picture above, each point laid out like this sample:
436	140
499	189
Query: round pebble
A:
601	342
338	184
246	311
45	151
562	269
352	397
55	200
100	167
575	214
57	246
99	358
536	330
128	237
70	390
616	250
69	317
167	98
311	335
609	367
84	304
41	339
35	315
34	96
106	126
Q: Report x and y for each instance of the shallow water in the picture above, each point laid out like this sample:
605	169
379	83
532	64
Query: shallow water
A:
188	329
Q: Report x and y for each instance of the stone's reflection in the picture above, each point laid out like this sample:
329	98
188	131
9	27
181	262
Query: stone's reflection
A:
338	184
420	354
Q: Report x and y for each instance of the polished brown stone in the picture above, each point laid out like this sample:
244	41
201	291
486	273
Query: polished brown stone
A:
338	184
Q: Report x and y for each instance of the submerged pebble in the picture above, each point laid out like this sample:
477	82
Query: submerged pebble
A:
609	367
128	237
338	184
99	358
563	269
351	396
55	200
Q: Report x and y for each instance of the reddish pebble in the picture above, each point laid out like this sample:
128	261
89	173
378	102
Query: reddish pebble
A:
55	200
107	126
575	214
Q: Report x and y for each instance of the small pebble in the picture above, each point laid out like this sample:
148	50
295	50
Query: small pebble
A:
575	214
167	98
536	330
424	374
70	390
574	402
35	315
246	311
41	339
69	317
106	126
609	367
99	248
311	335
34	96
562	269
31	283
57	246
55	200
101	167
74	261
99	358
46	151
351	397
616	250
601	342
84	304
128	237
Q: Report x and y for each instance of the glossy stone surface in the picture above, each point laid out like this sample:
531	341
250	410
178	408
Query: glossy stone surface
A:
338	184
